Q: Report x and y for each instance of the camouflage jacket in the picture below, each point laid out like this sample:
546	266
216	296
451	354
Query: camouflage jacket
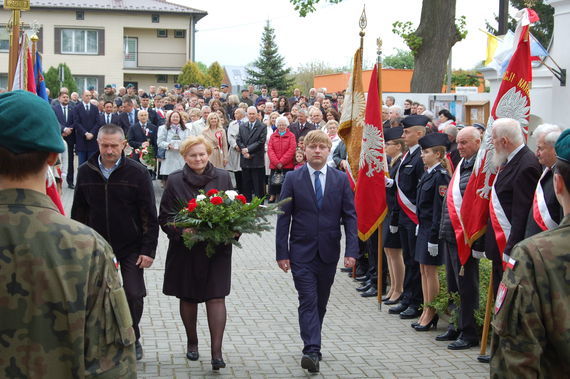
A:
63	311
532	312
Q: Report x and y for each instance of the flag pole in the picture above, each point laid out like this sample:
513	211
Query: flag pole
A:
14	47
380	263
487	322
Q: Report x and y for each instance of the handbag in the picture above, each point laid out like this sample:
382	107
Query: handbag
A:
277	178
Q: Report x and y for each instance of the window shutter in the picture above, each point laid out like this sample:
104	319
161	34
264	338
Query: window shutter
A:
100	83
57	40
101	39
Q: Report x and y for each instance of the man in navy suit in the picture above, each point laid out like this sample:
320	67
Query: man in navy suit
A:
308	237
251	140
129	117
86	124
62	110
108	116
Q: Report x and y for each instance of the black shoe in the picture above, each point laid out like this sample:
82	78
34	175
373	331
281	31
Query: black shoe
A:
372	292
397	309
364	288
410	312
461	344
310	362
386	297
484	358
218	363
138	350
70	186
425	328
415	324
346	269
392	302
192	355
449	335
362	278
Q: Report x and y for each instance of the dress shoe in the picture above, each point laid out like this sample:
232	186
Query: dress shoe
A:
310	362
70	186
192	355
414	324
425	328
392	302
386	297
362	278
484	358
397	309
346	269
372	292
138	350
410	312
449	335
218	363
364	288
461	344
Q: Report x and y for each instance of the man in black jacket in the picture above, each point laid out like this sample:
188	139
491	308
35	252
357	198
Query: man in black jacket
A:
463	279
251	141
114	196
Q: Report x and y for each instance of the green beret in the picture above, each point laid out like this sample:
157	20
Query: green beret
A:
562	146
27	123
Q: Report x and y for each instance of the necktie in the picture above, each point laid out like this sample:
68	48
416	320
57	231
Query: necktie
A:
318	189
251	125
131	118
65	113
87	107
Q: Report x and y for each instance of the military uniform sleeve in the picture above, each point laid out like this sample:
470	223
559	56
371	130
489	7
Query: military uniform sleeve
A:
519	334
440	190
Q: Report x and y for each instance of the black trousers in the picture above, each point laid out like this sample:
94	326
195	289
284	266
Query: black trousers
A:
372	248
70	141
253	182
133	283
467	286
238	176
413	295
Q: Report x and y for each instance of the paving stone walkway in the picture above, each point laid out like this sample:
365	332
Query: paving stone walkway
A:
262	334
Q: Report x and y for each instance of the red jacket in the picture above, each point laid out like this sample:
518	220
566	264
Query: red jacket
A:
281	149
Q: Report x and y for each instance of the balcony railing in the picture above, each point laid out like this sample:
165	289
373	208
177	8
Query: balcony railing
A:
153	60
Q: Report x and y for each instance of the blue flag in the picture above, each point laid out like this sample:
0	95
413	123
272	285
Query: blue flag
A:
39	75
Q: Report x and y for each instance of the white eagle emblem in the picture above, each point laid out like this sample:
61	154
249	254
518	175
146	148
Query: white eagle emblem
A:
353	108
514	104
371	150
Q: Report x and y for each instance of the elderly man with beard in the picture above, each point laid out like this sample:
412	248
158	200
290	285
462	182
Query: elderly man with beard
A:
511	197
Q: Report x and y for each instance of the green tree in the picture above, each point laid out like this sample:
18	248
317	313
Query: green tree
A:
215	74
191	74
305	74
542	29
268	68
52	79
402	60
465	78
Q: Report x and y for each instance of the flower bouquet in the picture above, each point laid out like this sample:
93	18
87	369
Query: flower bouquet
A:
218	217
146	156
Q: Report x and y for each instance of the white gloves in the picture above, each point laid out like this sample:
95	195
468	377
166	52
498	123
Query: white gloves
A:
417	229
393	229
389	182
433	249
478	254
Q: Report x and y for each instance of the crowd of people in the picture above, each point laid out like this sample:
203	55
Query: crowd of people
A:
204	138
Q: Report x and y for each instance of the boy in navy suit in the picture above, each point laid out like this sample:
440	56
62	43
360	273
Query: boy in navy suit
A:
308	237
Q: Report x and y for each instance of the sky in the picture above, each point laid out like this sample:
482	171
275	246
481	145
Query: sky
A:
231	32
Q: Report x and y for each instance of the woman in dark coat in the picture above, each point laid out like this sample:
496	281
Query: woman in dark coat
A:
189	274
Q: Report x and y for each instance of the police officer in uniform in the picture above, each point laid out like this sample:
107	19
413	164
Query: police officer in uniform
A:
532	314
409	173
63	312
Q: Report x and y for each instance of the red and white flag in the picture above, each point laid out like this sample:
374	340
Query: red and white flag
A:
370	197
454	203
513	101
24	78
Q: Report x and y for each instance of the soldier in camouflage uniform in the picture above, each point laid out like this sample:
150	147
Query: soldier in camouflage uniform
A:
532	311
63	312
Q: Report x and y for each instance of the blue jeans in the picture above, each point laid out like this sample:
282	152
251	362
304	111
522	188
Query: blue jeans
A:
83	156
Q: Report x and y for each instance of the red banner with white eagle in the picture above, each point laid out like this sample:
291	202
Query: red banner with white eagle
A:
370	196
512	101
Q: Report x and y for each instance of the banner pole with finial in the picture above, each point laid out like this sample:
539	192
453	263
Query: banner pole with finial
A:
379	260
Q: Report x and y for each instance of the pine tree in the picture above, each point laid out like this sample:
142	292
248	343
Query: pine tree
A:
269	68
191	74
52	80
215	74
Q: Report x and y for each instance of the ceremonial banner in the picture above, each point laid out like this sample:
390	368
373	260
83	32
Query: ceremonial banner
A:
352	117
24	75
454	202
39	76
370	197
512	101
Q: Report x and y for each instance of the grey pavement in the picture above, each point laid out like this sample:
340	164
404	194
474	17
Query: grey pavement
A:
262	333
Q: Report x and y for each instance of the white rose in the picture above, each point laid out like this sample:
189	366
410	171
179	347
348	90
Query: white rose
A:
231	194
200	197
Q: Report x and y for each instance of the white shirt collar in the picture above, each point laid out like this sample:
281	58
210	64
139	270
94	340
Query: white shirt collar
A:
430	169
515	151
312	171
411	149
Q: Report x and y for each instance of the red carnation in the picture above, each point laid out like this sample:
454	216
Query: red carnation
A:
216	200
212	192
241	198
192	204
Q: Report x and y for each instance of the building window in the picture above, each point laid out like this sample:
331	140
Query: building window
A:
162	78
4	38
162	33
180	34
155	18
80	15
84	82
79	41
4	81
